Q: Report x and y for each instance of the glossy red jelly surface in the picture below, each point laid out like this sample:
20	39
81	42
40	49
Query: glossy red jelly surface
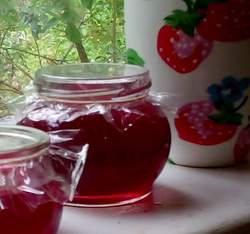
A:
21	219
129	145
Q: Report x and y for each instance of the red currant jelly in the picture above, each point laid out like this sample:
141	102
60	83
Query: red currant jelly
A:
106	106
25	205
22	220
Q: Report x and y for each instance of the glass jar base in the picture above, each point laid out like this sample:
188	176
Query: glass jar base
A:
105	202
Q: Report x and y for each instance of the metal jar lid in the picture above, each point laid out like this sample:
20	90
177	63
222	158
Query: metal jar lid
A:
18	143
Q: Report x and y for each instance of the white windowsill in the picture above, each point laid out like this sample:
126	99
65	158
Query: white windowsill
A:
185	201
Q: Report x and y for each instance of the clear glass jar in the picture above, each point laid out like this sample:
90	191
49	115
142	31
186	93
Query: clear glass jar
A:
30	194
107	106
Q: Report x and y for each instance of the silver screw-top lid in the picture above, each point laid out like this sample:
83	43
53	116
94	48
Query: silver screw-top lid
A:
18	143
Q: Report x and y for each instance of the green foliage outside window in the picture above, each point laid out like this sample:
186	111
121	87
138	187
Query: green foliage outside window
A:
35	33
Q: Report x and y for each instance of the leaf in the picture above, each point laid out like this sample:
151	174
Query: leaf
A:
245	83
7	5
87	3
186	21
73	34
235	118
170	161
35	28
190	4
203	4
227	118
70	16
219	118
8	12
134	58
227	107
50	24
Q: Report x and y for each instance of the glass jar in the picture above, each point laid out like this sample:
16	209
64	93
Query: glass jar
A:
108	107
31	186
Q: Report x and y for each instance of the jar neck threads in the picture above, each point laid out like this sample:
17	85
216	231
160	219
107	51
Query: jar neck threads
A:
90	83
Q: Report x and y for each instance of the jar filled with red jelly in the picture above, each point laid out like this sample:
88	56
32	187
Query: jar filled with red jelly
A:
108	107
32	183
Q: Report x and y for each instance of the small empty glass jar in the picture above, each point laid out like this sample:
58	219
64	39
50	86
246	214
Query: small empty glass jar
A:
31	191
107	106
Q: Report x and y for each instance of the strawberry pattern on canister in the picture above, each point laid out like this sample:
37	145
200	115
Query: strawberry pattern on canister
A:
216	120
187	37
190	55
226	21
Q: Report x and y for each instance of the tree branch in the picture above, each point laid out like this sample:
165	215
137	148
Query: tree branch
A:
31	53
10	87
38	52
3	37
11	91
114	30
82	53
17	66
67	53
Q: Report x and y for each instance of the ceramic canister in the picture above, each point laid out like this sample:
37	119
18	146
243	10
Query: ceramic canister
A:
198	50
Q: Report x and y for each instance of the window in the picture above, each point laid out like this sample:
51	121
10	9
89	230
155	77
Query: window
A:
35	33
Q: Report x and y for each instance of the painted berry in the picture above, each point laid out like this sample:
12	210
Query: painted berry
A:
180	51
227	21
242	147
194	125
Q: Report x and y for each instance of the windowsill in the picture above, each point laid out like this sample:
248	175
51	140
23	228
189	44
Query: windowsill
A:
185	201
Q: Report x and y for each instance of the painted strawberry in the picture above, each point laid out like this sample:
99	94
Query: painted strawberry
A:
193	125
225	21
242	147
179	44
215	121
180	51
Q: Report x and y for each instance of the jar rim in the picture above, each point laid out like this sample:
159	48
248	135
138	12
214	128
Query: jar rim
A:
92	81
25	143
55	73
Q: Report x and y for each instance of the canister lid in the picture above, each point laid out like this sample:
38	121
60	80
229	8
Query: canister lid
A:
18	143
